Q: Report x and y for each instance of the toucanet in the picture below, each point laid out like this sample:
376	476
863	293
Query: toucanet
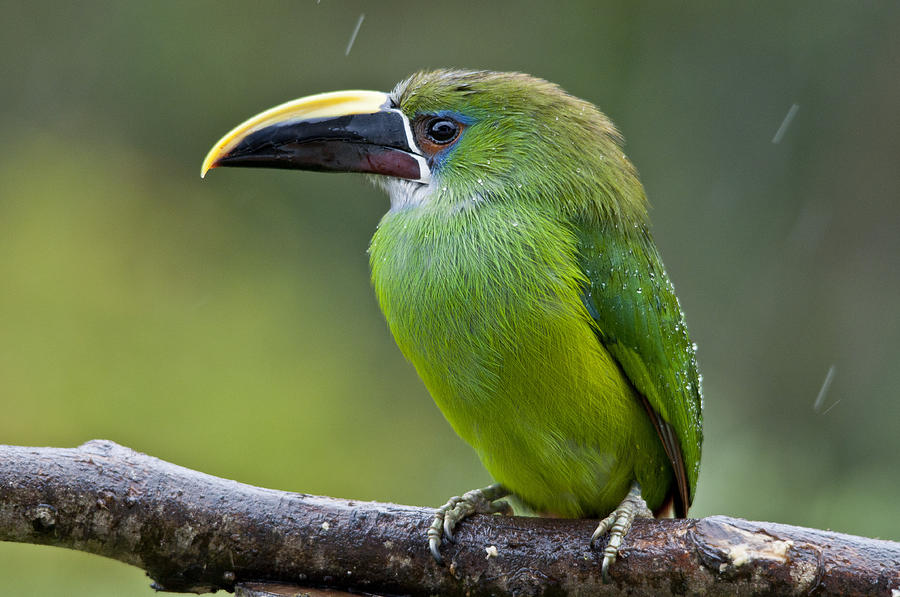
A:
517	273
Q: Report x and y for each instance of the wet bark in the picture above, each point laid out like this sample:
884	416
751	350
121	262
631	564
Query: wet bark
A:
193	532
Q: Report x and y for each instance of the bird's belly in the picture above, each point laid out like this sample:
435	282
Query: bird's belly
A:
547	410
559	426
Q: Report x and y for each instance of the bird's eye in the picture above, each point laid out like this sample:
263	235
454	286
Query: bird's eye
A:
441	130
436	133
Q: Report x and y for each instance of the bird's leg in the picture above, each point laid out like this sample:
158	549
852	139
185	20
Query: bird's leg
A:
618	523
478	501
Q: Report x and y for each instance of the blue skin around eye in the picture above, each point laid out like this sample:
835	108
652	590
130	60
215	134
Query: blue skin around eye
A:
437	159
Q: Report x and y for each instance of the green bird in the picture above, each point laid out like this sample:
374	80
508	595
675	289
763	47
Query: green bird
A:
517	272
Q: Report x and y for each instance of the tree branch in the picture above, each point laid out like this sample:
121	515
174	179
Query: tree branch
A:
193	532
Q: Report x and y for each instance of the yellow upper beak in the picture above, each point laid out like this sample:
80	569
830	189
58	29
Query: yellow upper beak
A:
322	105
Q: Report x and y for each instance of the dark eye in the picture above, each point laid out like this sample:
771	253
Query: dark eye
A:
441	130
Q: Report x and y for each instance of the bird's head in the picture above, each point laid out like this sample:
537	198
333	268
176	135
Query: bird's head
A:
451	138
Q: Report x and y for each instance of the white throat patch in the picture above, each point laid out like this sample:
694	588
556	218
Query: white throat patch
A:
404	193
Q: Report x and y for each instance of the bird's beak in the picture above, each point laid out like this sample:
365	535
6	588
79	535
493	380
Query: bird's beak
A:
343	131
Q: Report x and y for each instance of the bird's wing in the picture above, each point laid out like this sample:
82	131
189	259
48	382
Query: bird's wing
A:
639	321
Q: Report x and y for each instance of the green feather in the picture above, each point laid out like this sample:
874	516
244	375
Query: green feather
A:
640	322
525	289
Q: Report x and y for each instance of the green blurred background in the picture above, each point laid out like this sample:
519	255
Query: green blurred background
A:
228	325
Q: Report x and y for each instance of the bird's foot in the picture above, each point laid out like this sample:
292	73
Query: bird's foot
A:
478	501
618	523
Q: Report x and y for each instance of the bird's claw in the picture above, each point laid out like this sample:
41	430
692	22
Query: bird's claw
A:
478	501
434	544
617	524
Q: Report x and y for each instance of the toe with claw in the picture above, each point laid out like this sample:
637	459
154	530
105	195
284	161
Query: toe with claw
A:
486	500
617	524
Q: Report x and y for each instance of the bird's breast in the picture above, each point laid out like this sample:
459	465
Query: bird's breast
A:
477	299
